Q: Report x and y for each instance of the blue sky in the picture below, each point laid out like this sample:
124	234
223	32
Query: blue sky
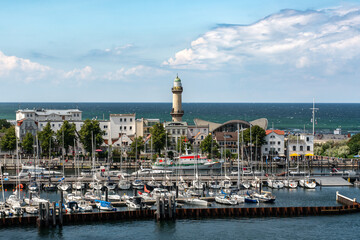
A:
224	51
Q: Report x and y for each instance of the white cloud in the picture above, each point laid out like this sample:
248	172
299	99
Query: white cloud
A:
129	74
115	51
79	74
297	39
21	69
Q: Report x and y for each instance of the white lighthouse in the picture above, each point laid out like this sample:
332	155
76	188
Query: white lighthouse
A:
177	111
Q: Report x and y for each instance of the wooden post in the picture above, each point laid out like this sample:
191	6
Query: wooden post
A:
158	209
60	214
169	208
162	208
106	194
54	214
47	213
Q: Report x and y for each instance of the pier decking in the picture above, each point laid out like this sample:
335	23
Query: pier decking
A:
331	181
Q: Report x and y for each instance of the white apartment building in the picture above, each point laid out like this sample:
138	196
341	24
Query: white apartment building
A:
274	143
121	129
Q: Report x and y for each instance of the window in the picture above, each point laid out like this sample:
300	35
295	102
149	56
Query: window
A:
120	119
204	130
307	139
301	148
266	149
124	127
173	131
191	130
183	132
59	125
178	131
130	127
53	125
294	148
202	137
308	148
105	126
130	119
279	149
120	128
124	119
278	143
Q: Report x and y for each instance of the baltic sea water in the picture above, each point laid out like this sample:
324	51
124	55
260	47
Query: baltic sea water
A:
286	116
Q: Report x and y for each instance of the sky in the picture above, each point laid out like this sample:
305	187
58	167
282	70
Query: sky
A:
223	51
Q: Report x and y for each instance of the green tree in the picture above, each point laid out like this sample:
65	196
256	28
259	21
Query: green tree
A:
67	134
46	138
257	136
158	135
27	143
136	145
354	144
182	144
208	145
91	130
4	124
8	141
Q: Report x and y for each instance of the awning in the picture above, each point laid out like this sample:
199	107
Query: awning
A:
294	155
309	154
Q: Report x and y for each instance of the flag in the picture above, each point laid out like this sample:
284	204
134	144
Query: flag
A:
146	190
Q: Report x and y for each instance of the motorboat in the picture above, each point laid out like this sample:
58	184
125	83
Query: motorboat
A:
226	184
214	185
306	183
33	186
31	210
71	197
264	197
95	185
146	196
160	192
49	187
197	184
196	201
104	206
78	185
137	184
238	198
225	199
124	184
112	196
290	183
275	184
85	206
72	207
16	209
136	203
35	200
37	171
250	199
110	185
152	184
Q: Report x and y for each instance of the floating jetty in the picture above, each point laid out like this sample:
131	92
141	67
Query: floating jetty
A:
166	211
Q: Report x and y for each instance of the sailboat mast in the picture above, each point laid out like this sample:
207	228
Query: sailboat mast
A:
238	155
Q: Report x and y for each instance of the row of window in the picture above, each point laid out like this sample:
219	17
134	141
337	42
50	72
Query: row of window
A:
192	130
121	128
174	131
272	143
124	119
273	149
302	148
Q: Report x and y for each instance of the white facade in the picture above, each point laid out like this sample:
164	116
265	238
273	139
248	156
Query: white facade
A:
274	143
175	130
302	145
49	114
119	129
